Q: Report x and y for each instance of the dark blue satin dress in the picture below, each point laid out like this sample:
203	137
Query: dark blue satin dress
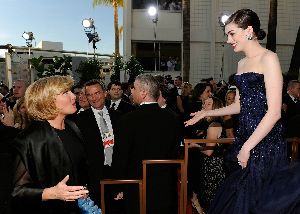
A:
244	190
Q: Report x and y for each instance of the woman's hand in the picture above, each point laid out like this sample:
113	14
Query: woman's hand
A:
196	117
8	116
62	191
243	157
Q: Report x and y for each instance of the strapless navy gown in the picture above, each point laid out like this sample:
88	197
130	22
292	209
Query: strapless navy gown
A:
245	190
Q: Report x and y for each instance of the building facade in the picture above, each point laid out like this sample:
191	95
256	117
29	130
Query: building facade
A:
15	65
154	40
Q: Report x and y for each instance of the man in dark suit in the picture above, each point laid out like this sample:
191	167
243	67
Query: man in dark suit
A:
116	102
99	140
149	132
290	102
291	111
7	134
126	91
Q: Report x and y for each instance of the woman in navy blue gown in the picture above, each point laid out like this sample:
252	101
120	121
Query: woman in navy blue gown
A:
259	147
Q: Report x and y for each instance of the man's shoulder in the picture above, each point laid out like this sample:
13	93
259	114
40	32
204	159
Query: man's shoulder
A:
126	104
84	116
287	99
85	113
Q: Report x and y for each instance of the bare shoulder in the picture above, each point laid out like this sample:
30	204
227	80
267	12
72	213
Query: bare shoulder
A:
269	58
270	62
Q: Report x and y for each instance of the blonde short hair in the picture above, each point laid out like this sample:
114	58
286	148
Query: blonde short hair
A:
40	96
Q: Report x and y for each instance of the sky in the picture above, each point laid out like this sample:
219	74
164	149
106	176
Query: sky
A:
57	21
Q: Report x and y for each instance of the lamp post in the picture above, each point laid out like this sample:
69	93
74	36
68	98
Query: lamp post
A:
28	36
222	20
152	11
90	31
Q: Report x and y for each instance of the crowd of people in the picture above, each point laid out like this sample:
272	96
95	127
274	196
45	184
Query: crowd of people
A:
61	139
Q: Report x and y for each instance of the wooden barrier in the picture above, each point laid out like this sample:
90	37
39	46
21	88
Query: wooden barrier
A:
114	182
148	162
295	141
187	142
183	169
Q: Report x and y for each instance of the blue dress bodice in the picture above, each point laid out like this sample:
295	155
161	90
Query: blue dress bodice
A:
253	107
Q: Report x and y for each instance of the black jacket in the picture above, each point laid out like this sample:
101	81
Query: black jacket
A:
123	108
147	133
41	161
7	134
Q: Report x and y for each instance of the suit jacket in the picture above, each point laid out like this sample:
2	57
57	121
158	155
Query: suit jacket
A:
7	134
87	124
41	161
149	132
293	108
123	108
126	98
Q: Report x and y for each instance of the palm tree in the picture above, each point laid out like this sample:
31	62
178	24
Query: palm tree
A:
186	39
272	25
115	4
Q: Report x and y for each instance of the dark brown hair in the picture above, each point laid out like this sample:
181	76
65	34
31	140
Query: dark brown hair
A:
246	17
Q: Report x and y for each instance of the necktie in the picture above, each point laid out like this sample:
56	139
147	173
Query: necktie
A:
103	125
108	150
113	106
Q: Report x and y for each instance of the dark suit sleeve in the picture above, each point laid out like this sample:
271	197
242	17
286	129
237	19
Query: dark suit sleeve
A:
121	150
179	137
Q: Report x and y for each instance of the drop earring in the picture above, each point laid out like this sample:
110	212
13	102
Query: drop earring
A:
250	37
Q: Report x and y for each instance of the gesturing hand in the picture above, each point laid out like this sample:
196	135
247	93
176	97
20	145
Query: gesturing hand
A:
119	196
8	116
196	117
62	191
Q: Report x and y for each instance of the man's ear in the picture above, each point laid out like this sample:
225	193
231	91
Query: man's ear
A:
105	94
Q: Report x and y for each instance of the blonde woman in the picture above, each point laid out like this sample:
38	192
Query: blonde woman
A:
50	164
21	119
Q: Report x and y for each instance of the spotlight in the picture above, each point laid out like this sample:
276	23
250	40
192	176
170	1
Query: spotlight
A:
88	23
152	11
223	18
28	36
90	31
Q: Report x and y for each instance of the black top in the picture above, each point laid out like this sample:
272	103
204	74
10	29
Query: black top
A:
42	159
76	152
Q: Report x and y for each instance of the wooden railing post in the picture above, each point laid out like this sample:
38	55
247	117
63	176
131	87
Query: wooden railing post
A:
147	162
187	142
